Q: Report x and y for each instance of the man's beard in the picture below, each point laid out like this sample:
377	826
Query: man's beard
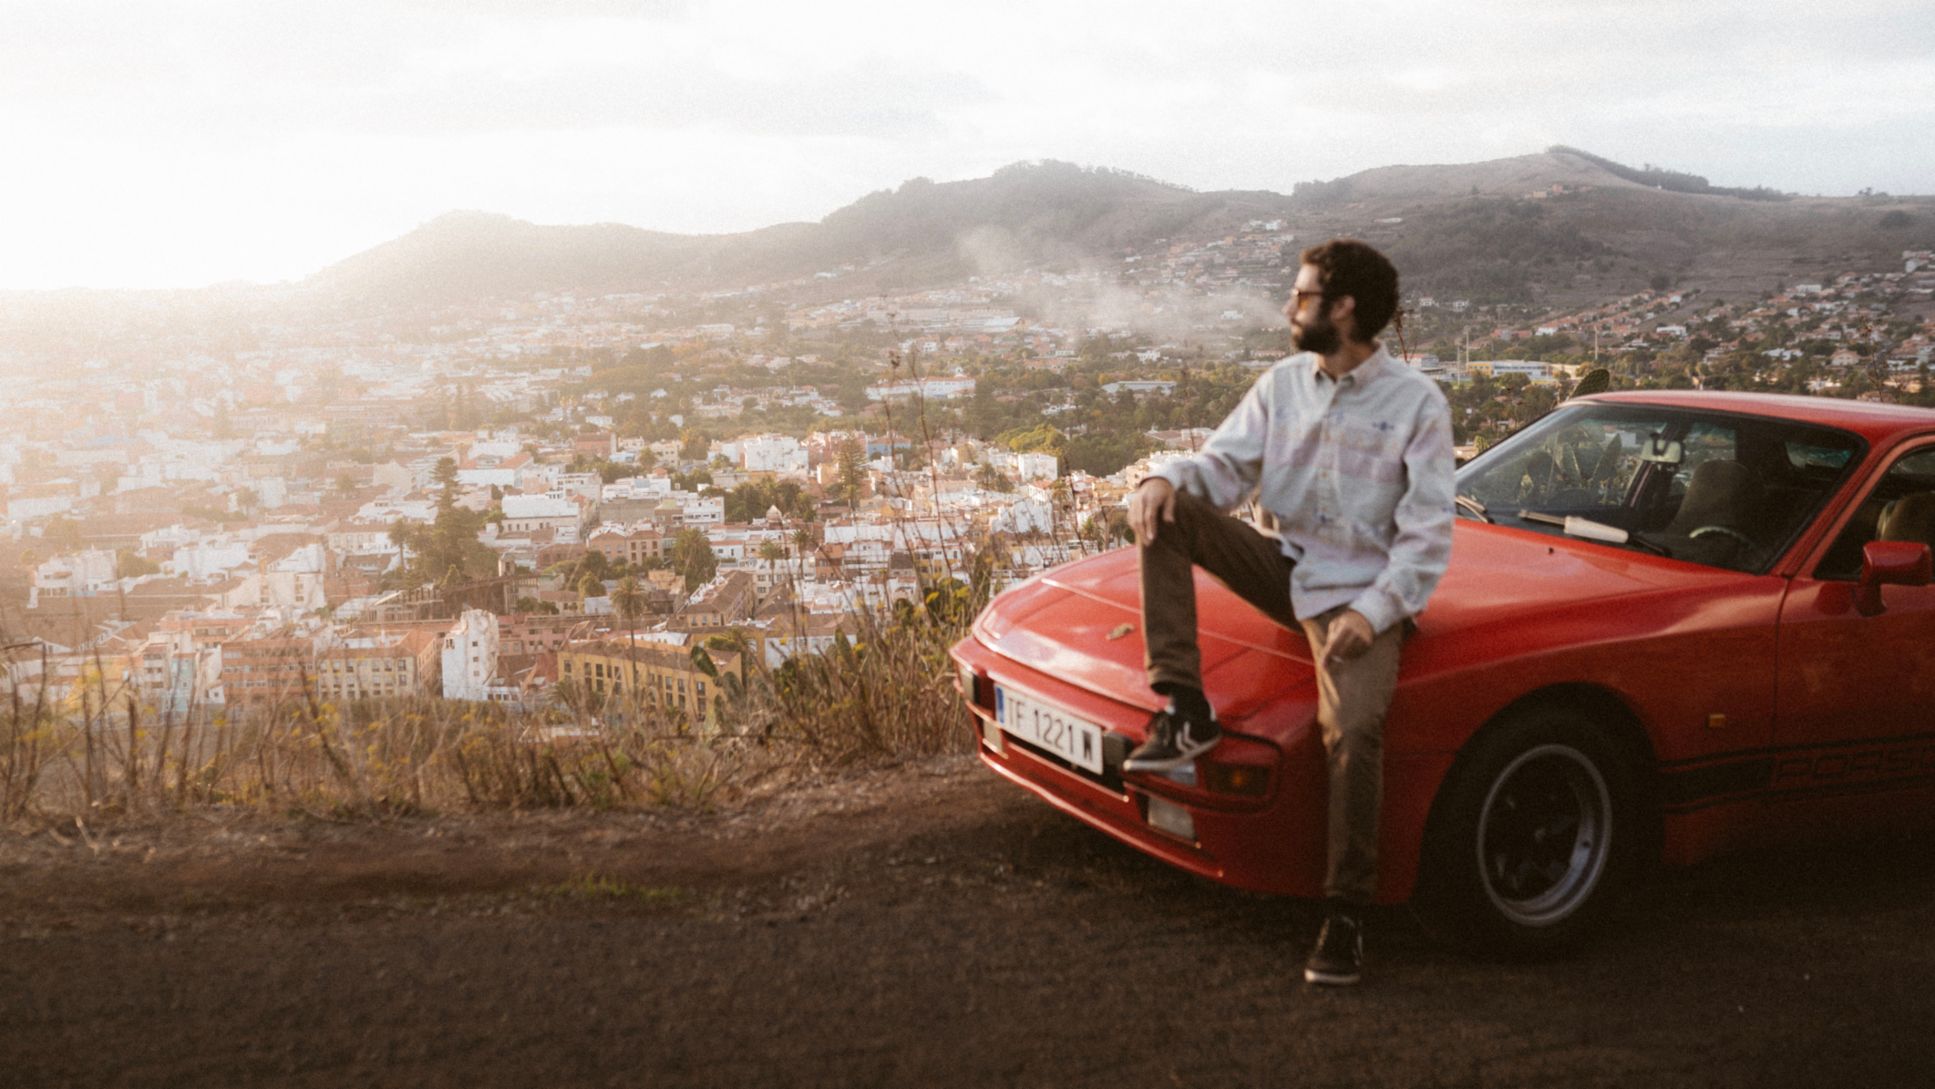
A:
1318	336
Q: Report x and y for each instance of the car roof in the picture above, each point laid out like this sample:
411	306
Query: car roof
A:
1872	420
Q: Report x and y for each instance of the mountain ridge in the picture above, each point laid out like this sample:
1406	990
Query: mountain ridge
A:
1483	228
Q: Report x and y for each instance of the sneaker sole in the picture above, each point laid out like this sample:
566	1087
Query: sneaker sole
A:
1184	754
1331	979
1192	751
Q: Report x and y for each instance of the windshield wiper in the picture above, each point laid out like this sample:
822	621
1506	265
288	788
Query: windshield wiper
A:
1470	505
1588	530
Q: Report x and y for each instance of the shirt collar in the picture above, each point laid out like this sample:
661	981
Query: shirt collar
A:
1370	370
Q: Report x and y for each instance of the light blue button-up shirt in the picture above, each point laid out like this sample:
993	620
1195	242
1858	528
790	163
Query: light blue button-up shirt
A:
1357	472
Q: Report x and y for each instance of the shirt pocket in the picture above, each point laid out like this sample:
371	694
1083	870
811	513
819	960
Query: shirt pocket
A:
1370	454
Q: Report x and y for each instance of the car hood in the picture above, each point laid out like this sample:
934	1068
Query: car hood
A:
1498	573
1081	622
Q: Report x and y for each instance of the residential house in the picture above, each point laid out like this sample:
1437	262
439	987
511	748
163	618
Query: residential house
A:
266	672
726	600
524	514
470	651
377	664
659	675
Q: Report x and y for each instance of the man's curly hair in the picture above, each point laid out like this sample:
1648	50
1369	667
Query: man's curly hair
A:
1346	266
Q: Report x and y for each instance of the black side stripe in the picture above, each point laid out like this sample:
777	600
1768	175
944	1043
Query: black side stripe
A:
1777	750
1794	772
1715	781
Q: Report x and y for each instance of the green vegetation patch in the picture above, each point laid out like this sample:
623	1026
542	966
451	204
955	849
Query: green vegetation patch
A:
604	887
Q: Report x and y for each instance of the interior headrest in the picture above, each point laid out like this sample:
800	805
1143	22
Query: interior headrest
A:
1910	518
1720	493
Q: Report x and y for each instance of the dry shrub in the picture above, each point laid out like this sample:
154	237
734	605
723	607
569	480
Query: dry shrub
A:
365	760
93	749
889	692
625	764
27	736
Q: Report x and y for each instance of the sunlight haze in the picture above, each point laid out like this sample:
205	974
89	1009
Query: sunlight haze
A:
177	144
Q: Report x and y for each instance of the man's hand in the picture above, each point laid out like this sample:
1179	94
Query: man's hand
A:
1152	503
1349	636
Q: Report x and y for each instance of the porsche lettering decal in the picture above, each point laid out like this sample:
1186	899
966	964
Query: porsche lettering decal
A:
1862	765
1799	771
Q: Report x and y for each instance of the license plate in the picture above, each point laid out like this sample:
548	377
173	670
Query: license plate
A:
1071	738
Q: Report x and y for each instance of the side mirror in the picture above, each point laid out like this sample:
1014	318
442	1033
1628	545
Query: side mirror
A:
1897	563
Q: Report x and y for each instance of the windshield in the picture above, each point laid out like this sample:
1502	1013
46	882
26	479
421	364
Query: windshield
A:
1712	488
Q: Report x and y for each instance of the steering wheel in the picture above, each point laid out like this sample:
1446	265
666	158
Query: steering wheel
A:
1728	532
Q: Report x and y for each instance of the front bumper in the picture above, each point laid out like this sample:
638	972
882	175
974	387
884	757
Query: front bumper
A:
1273	843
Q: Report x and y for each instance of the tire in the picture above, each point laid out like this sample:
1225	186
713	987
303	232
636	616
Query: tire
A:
1538	828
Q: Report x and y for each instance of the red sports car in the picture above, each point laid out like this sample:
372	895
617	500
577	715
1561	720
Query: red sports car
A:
1673	623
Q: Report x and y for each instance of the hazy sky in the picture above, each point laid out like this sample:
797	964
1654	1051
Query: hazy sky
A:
159	143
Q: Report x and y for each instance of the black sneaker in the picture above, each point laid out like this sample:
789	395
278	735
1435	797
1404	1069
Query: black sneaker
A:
1174	740
1338	959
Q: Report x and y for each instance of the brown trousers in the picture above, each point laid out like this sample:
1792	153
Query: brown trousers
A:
1352	695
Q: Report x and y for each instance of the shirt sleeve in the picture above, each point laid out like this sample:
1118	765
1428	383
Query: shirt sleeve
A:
1225	471
1421	547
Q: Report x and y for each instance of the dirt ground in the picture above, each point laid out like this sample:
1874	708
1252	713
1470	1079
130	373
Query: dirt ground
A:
922	925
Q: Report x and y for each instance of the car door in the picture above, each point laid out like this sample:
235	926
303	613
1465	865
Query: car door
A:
1855	694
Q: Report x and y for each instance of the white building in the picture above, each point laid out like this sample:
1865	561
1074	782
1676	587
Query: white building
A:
393	478
470	651
1534	371
933	389
355	539
581	485
208	559
657	486
1031	512
702	511
1140	386
293	585
176	675
506	473
386	511
80	574
26	508
525	513
780	454
1037	466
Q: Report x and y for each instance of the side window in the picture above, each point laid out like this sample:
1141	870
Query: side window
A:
1900	508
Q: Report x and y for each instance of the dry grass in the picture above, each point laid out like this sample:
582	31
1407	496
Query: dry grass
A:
888	692
95	751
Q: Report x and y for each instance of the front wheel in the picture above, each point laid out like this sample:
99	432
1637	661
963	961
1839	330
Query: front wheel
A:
1536	830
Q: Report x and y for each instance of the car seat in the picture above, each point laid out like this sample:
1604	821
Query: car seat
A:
1721	493
1718	520
1910	518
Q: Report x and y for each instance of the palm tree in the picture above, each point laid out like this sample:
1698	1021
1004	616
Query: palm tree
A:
771	553
629	600
400	537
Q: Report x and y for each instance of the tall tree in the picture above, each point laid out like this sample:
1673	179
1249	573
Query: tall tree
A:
589	587
445	477
629	599
692	558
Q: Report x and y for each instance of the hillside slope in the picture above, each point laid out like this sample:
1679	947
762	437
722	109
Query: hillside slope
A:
1531	228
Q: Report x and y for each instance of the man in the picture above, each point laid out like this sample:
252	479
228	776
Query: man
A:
1350	450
